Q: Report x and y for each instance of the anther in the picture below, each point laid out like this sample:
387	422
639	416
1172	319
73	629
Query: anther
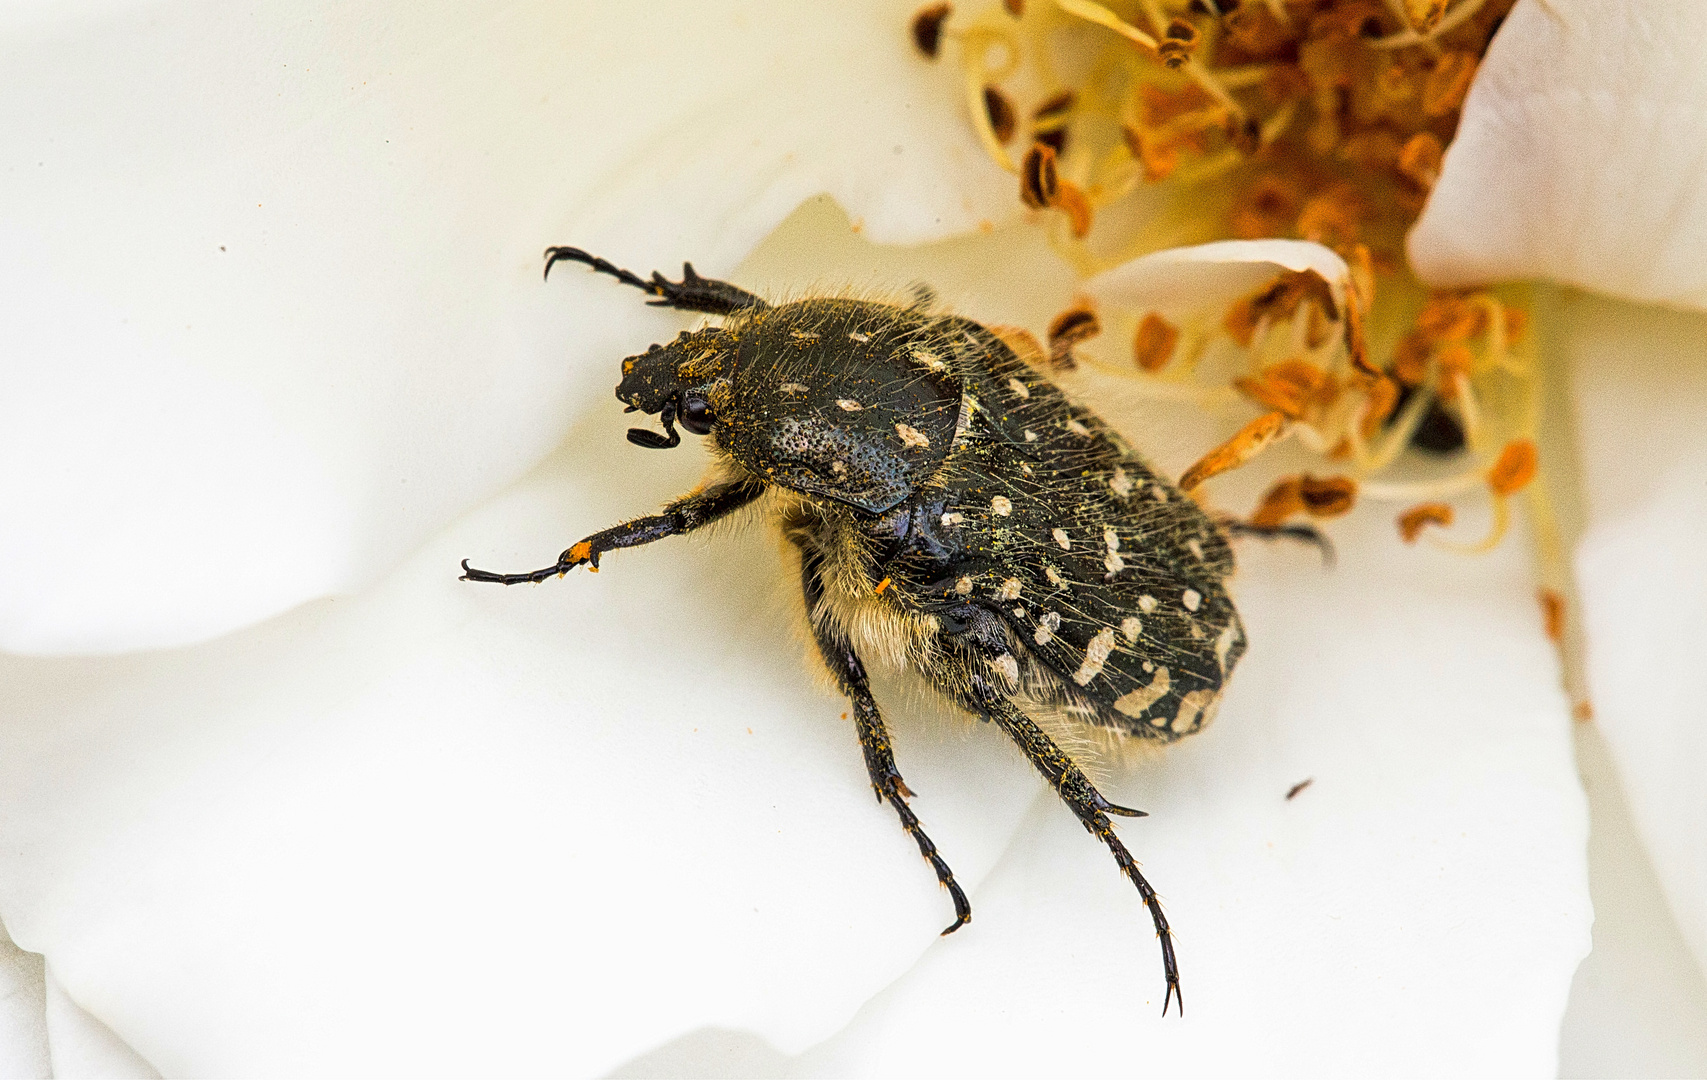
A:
927	28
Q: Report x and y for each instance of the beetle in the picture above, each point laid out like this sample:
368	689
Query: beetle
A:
954	511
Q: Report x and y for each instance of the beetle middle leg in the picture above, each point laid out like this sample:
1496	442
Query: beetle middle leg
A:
1304	534
845	665
975	647
692	293
684	515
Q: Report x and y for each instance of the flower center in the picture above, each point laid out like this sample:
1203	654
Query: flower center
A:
1144	124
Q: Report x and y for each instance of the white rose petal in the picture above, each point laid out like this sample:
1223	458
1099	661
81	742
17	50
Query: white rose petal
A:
1578	157
272	274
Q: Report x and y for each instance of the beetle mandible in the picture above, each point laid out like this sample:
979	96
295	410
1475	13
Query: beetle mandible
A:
950	507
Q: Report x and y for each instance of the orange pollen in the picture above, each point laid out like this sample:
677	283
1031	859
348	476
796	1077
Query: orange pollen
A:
1515	468
1413	521
881	585
1279	503
1153	345
1552	614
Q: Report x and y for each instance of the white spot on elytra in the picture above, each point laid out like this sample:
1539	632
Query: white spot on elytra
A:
1130	628
1195	709
1010	589
1110	538
855	335
1146	603
912	438
848	404
1120	482
1030	436
1024	468
1096	655
793	388
963	586
1136	702
840	468
1078	429
1195	548
1062	538
1022	391
1001	505
1046	627
1113	563
1191	598
929	359
1008	666
804	335
953	518
1224	644
1053	575
1159	493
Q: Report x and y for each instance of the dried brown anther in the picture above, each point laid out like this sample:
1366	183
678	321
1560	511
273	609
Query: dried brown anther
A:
1076	324
1000	112
1016	8
1177	43
927	28
1413	521
1327	497
1154	343
1039	183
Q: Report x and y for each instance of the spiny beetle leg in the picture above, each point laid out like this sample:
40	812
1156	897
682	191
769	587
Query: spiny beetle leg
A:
686	514
886	780
1082	797
1307	534
692	293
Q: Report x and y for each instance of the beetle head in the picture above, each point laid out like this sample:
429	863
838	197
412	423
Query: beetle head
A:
672	381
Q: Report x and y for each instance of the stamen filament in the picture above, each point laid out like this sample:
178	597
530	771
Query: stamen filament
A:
1407	36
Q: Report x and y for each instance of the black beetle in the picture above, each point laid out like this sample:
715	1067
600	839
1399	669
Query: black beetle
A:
953	510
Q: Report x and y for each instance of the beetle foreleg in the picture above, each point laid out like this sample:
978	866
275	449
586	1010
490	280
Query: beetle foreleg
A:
845	665
686	514
692	293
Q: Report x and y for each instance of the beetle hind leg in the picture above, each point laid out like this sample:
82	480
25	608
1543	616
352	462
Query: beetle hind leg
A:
692	293
845	665
984	642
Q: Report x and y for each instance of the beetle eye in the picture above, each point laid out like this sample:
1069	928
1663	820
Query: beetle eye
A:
696	415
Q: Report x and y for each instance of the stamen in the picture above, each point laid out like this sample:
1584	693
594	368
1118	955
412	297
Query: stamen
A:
1413	521
1515	468
1153	345
1449	21
927	28
999	111
1250	441
1076	324
1096	13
